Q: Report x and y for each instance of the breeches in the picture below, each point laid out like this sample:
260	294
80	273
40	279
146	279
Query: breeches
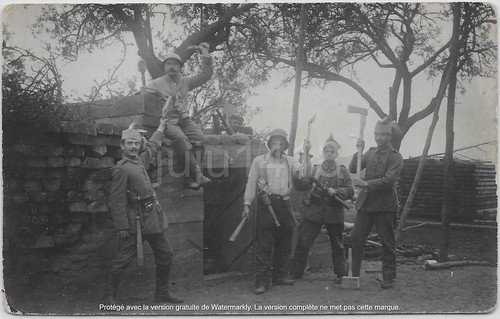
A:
127	251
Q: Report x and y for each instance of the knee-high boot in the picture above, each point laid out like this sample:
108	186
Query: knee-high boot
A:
162	292
110	288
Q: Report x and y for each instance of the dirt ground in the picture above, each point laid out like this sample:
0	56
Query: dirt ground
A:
460	290
470	289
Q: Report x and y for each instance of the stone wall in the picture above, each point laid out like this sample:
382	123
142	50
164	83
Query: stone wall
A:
55	198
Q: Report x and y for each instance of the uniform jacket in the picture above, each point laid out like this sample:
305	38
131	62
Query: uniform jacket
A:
179	89
322	209
382	171
130	180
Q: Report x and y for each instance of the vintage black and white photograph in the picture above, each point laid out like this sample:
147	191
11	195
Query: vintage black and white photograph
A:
249	158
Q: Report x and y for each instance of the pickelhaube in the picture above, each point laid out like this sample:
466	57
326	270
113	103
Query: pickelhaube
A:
331	142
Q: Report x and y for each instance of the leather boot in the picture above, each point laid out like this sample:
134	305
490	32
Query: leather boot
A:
110	289
162	293
198	179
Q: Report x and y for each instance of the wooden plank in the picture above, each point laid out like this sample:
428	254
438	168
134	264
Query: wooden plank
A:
181	241
222	217
183	209
186	227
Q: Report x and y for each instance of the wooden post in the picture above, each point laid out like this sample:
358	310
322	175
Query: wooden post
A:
298	80
448	158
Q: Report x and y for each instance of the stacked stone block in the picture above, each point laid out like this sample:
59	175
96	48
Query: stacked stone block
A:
55	197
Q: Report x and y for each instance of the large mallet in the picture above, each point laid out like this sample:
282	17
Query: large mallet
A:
363	112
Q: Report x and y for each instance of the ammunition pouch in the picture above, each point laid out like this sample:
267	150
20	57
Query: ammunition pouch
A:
146	202
149	219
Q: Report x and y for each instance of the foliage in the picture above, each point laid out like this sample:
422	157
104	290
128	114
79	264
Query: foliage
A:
31	101
408	38
93	26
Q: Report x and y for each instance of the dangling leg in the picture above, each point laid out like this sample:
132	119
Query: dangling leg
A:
193	132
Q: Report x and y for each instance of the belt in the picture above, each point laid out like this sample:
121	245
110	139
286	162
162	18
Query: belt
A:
280	197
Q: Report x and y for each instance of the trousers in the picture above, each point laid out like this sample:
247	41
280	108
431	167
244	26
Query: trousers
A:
308	232
181	133
384	223
127	251
274	244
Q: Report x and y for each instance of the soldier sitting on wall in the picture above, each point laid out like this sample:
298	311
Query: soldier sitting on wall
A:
174	88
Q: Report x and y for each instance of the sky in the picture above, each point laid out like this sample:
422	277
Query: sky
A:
475	120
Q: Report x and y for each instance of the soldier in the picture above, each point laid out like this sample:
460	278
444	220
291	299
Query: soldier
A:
322	206
271	175
132	198
377	202
236	122
174	88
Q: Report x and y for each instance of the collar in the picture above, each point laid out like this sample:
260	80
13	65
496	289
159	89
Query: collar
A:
383	151
329	170
135	161
176	80
270	158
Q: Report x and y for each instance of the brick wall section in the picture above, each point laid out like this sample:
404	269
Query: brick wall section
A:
55	198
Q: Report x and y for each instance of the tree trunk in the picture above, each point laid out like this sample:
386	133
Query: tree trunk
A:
210	33
450	115
298	81
411	196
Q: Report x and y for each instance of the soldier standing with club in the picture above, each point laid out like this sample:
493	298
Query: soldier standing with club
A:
270	177
377	202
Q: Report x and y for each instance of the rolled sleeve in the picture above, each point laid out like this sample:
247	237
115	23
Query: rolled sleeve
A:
251	186
205	74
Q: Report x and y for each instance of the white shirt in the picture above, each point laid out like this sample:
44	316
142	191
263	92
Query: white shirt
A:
277	172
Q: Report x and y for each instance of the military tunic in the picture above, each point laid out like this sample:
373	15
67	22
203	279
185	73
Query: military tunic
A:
382	171
130	182
178	90
323	209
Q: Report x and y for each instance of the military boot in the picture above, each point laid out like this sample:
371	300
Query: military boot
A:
197	178
162	292
110	289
